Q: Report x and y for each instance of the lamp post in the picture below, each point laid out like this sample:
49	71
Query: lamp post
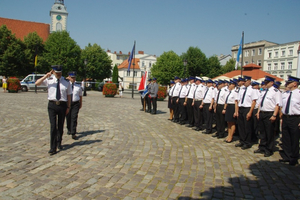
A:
84	90
184	63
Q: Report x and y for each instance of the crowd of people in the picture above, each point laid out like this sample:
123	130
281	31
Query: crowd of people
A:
247	108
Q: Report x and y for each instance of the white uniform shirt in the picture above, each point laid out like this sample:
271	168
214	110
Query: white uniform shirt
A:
222	96
65	88
199	92
232	96
210	94
192	88
171	90
272	98
251	95
77	92
294	102
183	92
176	90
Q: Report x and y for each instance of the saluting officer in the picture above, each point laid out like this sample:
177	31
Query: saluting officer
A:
153	95
175	95
189	100
76	104
247	101
291	121
207	105
269	104
59	96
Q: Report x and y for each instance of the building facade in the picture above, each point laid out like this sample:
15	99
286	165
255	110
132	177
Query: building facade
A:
281	60
223	59
252	52
59	15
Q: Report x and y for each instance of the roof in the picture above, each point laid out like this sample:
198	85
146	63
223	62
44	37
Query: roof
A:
252	70
23	28
125	63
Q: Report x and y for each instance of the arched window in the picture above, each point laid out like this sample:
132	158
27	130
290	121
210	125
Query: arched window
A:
58	26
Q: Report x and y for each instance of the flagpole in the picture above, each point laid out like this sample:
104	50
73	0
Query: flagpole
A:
242	54
133	71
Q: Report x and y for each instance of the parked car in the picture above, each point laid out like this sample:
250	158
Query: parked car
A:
28	83
100	86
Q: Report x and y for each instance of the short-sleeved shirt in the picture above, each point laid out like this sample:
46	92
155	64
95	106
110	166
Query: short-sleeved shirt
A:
77	92
272	98
250	96
294	102
210	94
65	88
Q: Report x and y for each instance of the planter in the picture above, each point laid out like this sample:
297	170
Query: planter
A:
109	95
12	91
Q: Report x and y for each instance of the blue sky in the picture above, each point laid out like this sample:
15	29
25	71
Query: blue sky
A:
159	26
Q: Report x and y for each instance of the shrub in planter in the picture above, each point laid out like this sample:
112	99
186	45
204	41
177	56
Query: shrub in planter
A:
162	93
110	89
13	85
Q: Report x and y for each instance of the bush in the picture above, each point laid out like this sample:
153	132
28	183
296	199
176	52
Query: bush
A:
162	92
110	89
13	84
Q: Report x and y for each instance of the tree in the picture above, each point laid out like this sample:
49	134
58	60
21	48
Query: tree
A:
214	66
115	75
196	62
168	65
61	49
34	45
229	66
99	64
12	56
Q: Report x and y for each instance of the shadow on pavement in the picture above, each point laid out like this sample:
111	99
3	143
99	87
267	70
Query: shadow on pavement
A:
87	142
86	133
270	180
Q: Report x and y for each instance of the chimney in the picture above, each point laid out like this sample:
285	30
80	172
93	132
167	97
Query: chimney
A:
115	52
120	52
141	52
108	50
129	53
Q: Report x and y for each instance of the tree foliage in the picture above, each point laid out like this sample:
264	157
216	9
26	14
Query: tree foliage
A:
168	65
115	75
99	64
229	66
196	62
214	67
61	49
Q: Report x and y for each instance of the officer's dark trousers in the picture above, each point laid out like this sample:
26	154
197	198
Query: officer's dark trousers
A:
290	136
142	101
255	136
148	102
209	116
72	117
198	114
266	128
245	127
57	115
182	110
190	111
175	108
220	120
154	104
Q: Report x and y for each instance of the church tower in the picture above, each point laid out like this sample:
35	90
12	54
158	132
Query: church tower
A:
59	16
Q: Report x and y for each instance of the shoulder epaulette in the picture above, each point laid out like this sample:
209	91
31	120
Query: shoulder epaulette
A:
276	90
50	78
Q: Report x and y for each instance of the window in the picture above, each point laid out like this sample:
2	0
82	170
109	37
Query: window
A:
282	66
149	64
291	52
259	62
253	52
269	67
135	73
275	66
270	55
246	62
290	65
283	53
259	51
234	55
246	53
276	54
143	63
128	73
281	76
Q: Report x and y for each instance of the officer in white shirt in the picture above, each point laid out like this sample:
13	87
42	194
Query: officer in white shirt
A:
197	101
76	104
269	105
181	101
291	121
247	101
59	96
207	105
255	86
175	96
218	108
189	100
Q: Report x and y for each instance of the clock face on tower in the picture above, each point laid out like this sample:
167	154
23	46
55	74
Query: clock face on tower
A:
58	17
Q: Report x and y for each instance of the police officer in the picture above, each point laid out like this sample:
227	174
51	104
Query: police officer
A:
291	121
76	104
181	101
59	96
170	106
247	101
153	94
175	95
147	96
189	100
255	86
197	101
207	105
269	105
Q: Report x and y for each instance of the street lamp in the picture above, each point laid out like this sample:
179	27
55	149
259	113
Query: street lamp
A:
84	90
184	63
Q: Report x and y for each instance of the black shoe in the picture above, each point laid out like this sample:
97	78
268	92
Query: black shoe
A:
170	119
52	152
153	113
220	136
69	133
245	146
207	132
239	145
59	146
215	135
293	162
142	109
194	128
189	125
284	160
74	137
197	129
259	151
268	154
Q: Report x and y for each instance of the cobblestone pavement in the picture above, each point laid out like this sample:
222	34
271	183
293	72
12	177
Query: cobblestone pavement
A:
124	153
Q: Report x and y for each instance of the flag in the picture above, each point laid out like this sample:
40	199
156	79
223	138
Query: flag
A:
238	54
35	57
130	58
143	82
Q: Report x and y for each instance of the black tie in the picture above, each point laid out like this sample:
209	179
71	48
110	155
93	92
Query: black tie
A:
57	91
262	101
195	92
72	92
227	97
287	108
218	96
244	95
205	93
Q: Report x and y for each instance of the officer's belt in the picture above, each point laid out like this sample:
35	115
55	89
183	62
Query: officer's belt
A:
58	102
74	102
290	116
267	112
198	99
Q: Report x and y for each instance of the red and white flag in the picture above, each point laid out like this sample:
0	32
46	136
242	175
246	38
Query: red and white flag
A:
143	82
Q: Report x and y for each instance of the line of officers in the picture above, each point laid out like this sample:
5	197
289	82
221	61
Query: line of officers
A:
246	109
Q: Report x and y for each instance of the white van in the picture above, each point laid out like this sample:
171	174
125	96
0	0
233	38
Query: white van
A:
28	83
